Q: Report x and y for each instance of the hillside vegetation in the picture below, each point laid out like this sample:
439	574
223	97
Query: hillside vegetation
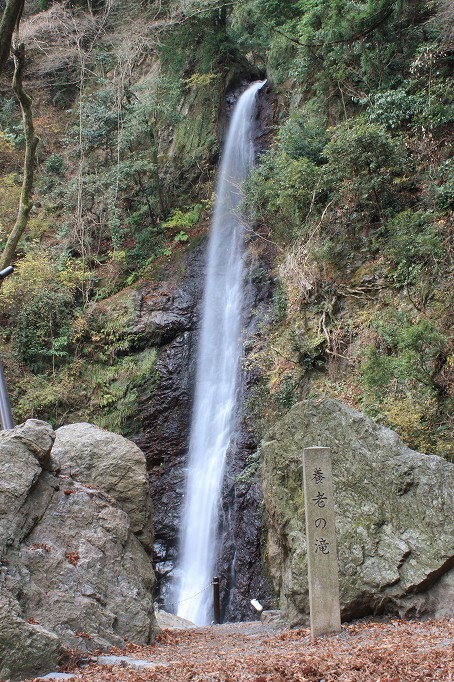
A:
351	201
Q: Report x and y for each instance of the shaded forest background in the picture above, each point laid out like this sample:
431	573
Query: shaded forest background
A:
350	206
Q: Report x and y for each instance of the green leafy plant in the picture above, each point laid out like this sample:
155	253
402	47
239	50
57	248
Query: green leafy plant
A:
412	242
181	237
408	353
183	220
55	164
251	469
301	137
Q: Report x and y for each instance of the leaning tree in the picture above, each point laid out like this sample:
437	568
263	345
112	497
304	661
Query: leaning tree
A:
9	24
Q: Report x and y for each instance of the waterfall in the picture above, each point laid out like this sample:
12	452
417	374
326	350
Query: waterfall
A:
218	369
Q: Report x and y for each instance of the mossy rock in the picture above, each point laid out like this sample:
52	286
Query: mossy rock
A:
393	505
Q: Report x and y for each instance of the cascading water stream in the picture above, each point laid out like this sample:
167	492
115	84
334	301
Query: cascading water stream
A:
218	369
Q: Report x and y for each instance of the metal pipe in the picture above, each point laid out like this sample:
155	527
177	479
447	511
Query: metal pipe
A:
6	271
216	601
5	405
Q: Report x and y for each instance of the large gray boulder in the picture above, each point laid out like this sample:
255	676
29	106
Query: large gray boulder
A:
394	520
112	463
73	574
83	570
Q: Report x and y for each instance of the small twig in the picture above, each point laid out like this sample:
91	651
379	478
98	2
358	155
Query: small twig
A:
337	355
322	326
256	234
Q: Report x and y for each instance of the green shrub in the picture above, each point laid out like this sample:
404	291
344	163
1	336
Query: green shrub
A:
40	334
401	108
301	137
364	154
286	395
281	191
279	302
442	186
55	164
38	299
183	220
406	354
251	471
412	243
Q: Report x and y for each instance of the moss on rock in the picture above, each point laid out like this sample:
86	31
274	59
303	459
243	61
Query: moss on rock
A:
393	513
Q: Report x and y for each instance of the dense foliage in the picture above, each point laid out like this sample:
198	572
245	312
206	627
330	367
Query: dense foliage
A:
355	193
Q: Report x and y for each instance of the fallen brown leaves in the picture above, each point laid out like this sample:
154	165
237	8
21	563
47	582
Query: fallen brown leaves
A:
73	557
40	545
368	651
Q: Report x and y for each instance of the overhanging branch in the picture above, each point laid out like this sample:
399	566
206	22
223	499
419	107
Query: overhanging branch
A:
357	36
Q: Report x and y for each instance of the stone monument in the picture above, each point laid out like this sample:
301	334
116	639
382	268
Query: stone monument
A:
321	542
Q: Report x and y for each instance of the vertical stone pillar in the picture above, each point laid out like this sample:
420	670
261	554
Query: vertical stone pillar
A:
321	542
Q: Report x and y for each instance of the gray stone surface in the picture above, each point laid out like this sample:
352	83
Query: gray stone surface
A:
72	572
128	662
170	621
58	676
83	570
112	463
21	450
323	573
38	437
272	617
25	648
394	517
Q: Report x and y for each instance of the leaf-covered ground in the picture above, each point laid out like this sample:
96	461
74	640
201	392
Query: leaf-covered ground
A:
369	650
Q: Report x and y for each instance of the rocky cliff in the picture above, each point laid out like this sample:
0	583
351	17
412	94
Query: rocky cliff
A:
162	317
74	571
394	517
166	315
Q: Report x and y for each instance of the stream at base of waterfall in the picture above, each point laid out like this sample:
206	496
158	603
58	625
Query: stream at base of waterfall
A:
218	370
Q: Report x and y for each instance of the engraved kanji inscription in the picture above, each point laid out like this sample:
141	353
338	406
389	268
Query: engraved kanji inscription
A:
318	476
322	546
320	500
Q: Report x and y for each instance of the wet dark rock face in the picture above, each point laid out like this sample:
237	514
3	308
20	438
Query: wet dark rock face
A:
266	118
266	114
168	316
241	562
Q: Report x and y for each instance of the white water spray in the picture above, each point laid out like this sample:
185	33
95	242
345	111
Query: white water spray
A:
218	369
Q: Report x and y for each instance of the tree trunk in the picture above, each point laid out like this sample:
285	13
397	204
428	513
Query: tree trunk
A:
31	142
10	19
161	204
